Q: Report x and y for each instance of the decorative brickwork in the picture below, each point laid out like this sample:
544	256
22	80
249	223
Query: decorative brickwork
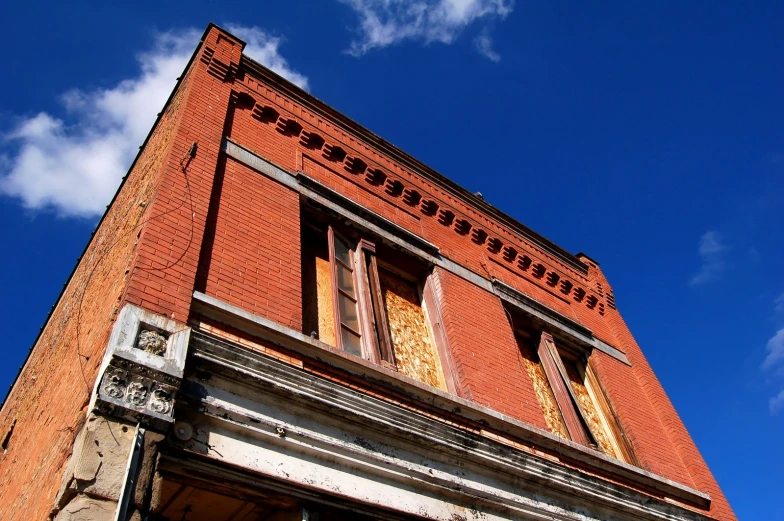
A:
201	239
430	205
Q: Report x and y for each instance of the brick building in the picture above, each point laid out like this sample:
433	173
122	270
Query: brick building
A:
282	316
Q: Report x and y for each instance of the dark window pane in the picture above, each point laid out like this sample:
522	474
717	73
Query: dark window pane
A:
351	342
348	312
341	252
345	280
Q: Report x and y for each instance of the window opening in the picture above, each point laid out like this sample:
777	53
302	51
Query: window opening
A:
574	403
366	299
318	317
413	345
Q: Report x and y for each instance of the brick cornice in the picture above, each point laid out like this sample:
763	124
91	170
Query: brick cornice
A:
408	162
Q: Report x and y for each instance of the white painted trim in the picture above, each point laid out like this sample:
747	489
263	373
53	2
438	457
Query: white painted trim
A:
254	412
432	397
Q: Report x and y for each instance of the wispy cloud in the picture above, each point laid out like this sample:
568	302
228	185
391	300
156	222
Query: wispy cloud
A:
386	22
778	302
776	403
263	47
774	359
712	250
484	44
775	349
72	164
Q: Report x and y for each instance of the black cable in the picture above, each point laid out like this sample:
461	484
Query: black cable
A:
184	163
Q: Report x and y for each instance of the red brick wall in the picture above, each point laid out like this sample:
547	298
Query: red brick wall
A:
252	249
517	266
163	275
484	350
678	457
49	399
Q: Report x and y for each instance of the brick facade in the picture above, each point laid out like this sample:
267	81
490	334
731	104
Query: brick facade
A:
62	367
214	225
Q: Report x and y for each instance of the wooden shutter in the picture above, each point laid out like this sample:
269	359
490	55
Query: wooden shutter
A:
610	420
347	322
378	316
542	388
562	389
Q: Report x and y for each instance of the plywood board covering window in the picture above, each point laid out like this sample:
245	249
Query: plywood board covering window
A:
573	401
317	296
590	412
533	366
414	350
365	299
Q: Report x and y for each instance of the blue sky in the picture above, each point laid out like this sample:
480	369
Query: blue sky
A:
649	136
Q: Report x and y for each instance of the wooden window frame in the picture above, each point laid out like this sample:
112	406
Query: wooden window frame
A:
335	264
575	418
565	397
381	342
374	332
609	416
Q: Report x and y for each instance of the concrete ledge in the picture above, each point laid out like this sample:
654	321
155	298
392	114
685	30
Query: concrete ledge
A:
592	460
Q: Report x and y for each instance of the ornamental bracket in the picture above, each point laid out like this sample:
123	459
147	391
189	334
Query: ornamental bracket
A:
142	369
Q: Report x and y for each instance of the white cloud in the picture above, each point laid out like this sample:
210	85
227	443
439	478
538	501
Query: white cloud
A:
712	250
484	44
779	303
774	361
73	164
386	22
264	49
775	349
776	403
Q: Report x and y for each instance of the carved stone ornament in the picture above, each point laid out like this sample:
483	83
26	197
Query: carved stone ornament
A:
152	341
161	401
135	391
115	382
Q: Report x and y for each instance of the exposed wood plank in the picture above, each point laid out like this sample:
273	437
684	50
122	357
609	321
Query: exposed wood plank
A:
382	324
562	390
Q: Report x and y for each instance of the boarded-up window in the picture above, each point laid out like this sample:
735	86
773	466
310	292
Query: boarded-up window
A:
414	351
352	303
573	401
590	412
600	414
564	394
317	292
533	366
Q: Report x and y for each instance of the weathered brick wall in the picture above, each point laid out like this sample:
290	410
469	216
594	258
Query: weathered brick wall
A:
163	274
463	234
251	253
483	350
48	401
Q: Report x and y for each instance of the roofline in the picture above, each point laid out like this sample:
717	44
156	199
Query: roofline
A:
347	124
